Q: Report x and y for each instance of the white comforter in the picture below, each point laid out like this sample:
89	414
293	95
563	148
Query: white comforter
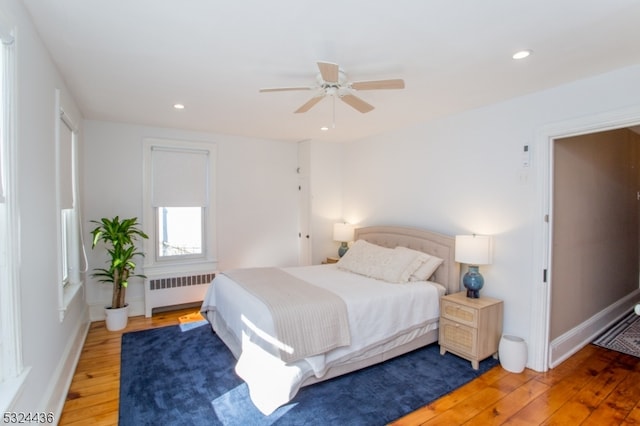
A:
378	313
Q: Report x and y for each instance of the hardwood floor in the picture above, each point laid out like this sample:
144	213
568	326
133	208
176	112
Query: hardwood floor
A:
93	395
594	387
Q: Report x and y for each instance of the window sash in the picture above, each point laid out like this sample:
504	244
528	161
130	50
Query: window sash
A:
160	238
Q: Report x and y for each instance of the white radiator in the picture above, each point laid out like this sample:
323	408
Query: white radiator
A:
171	290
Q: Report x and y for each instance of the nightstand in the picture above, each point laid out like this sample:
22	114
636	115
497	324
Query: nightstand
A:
470	328
331	260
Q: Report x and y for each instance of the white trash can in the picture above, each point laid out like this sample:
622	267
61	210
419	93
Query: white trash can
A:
512	352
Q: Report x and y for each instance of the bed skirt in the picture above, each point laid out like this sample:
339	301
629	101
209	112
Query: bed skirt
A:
402	344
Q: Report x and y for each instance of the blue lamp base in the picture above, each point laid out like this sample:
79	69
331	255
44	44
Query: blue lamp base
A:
473	282
343	249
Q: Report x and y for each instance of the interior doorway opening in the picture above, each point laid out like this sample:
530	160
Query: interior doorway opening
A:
550	345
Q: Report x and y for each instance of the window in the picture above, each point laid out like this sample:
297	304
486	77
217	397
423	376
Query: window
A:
69	225
179	205
67	199
12	372
179	231
70	247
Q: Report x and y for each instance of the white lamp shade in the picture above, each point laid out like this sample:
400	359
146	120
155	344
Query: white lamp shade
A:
474	249
343	232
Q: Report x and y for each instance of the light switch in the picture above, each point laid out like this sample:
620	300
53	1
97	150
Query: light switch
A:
526	156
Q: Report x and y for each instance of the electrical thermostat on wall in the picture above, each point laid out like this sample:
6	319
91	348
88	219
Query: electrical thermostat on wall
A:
526	156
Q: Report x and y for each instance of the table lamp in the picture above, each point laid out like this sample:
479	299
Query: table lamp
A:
343	233
474	250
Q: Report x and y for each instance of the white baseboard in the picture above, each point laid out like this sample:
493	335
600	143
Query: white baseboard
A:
575	339
11	390
56	394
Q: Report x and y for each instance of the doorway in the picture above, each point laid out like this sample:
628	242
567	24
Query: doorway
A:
304	204
594	257
552	340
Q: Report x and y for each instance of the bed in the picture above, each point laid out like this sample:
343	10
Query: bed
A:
370	319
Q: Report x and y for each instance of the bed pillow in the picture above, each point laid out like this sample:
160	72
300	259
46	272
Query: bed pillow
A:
379	262
427	266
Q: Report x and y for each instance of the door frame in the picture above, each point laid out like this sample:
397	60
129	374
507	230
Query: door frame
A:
304	203
543	239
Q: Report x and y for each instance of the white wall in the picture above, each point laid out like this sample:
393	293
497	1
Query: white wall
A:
463	174
49	346
257	197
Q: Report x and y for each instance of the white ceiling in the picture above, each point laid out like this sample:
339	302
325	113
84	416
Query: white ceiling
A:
130	61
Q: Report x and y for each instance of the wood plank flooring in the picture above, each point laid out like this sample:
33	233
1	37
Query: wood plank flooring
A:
94	391
594	387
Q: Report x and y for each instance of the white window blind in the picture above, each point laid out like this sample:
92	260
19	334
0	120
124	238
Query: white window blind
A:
2	134
180	177
66	165
6	70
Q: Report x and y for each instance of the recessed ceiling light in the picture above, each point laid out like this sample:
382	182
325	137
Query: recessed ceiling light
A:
178	106
324	128
521	54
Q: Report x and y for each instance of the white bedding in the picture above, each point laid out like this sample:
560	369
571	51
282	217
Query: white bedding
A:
378	314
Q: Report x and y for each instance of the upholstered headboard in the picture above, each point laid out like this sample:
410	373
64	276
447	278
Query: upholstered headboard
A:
442	246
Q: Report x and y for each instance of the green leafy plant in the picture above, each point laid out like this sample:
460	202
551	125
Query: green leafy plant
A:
119	236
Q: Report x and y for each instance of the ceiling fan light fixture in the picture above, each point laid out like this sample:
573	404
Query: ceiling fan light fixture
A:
333	82
521	54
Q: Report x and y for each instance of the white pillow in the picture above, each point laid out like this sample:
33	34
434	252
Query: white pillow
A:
427	266
379	262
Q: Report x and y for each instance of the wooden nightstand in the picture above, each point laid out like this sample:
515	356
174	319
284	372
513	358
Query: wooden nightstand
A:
470	328
331	260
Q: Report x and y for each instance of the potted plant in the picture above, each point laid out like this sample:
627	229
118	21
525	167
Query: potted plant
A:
120	237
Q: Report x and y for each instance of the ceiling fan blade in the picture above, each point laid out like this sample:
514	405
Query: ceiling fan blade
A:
310	103
378	84
329	71
284	89
356	103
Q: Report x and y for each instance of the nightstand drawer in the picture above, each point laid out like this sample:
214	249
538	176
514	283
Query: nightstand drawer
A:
458	337
459	313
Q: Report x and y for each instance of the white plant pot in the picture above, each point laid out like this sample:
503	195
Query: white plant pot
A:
116	319
512	352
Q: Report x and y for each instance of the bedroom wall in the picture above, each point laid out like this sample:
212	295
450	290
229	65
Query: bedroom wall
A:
49	346
257	197
463	174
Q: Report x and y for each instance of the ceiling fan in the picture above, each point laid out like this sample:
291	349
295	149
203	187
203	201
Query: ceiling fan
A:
332	81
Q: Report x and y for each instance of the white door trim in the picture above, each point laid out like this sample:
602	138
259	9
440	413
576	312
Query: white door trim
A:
543	142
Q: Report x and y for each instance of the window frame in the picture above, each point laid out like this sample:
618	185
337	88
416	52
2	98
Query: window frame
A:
69	236
13	374
153	264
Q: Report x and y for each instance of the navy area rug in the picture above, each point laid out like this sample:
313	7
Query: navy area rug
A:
185	376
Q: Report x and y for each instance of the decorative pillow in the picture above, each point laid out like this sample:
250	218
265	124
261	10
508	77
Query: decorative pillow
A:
379	262
427	265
